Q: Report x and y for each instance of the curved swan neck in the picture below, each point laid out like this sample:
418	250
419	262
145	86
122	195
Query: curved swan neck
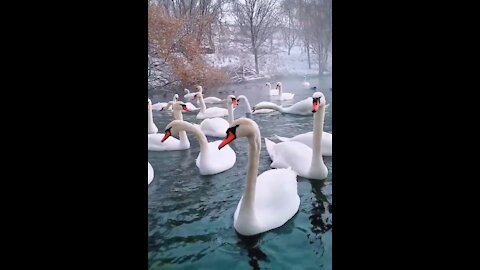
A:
202	140
280	90
254	146
177	115
269	105
318	119
246	102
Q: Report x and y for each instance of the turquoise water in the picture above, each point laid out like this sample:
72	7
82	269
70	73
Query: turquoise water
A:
190	217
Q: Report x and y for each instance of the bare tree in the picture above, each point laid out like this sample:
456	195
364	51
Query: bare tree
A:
290	24
257	19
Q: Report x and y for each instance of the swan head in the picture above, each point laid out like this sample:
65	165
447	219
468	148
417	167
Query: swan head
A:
168	129
178	106
241	127
268	85
279	85
175	97
186	90
149	104
199	88
232	99
318	101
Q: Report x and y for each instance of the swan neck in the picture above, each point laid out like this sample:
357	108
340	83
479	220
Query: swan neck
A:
318	119
202	140
247	103
230	112
151	125
248	201
202	102
269	105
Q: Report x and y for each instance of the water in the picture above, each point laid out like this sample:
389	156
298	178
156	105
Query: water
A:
190	217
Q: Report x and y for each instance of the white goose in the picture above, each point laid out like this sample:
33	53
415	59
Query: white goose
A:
249	110
211	112
150	173
305	161
307	139
305	83
152	128
215	127
270	199
207	100
155	142
210	160
271	91
281	95
303	107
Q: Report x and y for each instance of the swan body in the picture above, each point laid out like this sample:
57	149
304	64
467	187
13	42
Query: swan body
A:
152	128
216	127
303	107
305	161
155	140
150	173
271	198
210	160
307	139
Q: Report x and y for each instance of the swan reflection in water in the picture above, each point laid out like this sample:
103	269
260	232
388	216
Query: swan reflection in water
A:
255	254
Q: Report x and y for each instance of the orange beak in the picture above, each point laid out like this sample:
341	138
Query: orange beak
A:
184	107
230	137
315	106
167	134
234	101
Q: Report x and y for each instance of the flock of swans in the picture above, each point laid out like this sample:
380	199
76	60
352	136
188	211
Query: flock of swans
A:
271	198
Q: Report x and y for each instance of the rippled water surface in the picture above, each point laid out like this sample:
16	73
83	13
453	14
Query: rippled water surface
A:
190	217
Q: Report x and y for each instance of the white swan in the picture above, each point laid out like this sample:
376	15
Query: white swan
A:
249	110
281	95
305	161
305	83
210	160
269	200
271	91
307	139
150	173
155	142
211	112
152	128
216	127
206	100
303	107
191	108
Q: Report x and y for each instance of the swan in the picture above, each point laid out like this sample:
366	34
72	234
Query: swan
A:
215	127
307	139
211	112
150	173
152	128
250	111
305	161
207	100
272	91
209	161
270	199
305	83
155	142
303	107
281	95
